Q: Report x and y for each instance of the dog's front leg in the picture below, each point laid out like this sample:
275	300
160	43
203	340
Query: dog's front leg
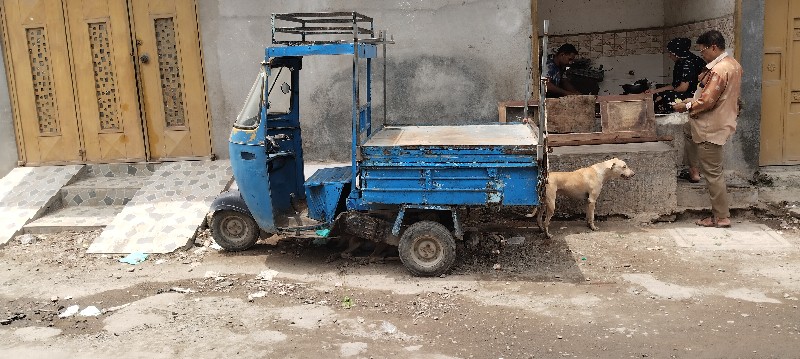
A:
550	209
590	213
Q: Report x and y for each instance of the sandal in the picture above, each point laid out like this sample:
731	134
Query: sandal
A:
719	225
685	175
711	222
707	222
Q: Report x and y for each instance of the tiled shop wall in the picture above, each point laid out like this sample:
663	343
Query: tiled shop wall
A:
641	41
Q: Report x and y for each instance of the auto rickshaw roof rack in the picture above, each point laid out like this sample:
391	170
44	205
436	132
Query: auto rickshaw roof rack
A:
321	28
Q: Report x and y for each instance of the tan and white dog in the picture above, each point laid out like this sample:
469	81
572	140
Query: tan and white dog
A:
585	183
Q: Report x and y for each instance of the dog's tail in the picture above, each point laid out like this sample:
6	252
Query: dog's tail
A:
539	219
538	212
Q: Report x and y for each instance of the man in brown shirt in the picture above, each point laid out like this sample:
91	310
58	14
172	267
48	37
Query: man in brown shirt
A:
712	120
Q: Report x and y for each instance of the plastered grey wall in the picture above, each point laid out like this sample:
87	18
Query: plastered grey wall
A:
686	11
451	64
651	190
8	143
743	151
581	16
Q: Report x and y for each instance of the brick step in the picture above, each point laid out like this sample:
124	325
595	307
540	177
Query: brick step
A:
695	195
79	218
120	170
101	191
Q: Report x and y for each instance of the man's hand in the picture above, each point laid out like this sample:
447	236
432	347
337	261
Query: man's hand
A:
679	107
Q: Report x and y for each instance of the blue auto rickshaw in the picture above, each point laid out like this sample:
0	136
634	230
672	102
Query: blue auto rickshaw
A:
406	185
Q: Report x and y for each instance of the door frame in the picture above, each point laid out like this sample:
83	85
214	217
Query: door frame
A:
12	89
773	129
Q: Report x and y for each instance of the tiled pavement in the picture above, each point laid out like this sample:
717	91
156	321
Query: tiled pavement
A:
26	192
165	213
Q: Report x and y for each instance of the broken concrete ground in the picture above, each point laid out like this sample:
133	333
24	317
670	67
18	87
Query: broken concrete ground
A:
628	290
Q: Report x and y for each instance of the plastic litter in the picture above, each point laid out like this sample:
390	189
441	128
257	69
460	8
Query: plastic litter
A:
388	328
70	311
323	232
267	275
182	290
252	296
90	311
27	239
114	309
134	258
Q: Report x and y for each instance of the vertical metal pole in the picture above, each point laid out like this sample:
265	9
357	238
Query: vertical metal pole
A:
355	145
273	28
385	104
530	78
368	108
542	96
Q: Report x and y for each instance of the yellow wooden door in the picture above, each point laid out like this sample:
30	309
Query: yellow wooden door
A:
105	80
780	104
172	82
41	81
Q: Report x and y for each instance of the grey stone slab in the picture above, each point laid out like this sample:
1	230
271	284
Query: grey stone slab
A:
166	212
122	170
74	218
651	190
27	191
741	236
695	195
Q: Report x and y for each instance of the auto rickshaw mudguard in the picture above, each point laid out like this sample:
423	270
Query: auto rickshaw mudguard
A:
230	201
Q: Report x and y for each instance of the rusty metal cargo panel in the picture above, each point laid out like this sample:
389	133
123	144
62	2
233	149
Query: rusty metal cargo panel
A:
451	165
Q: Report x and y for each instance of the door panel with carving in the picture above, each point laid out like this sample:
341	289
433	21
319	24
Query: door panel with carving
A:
41	82
106	80
173	86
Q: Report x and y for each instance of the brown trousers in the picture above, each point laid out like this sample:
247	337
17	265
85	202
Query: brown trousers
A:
708	158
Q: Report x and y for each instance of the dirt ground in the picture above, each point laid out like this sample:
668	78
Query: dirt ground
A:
625	291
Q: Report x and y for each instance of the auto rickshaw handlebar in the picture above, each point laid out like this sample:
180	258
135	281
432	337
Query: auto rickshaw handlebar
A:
273	140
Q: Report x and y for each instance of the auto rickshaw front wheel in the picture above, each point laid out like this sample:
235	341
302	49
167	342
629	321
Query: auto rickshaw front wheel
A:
234	231
427	249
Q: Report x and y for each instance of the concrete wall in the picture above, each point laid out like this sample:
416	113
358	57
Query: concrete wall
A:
650	191
453	61
742	153
8	144
581	16
686	11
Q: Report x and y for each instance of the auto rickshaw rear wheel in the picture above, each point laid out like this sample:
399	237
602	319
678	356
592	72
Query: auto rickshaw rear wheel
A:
427	249
234	231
